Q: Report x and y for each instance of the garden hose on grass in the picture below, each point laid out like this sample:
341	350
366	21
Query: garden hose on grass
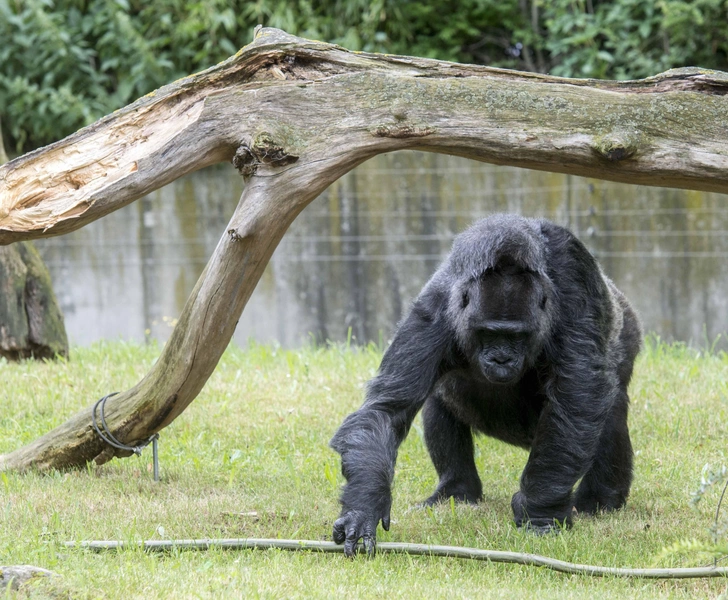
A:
494	556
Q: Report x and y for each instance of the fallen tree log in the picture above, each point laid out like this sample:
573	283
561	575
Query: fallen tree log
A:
294	115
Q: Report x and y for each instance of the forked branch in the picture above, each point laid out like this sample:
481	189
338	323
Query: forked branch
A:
293	115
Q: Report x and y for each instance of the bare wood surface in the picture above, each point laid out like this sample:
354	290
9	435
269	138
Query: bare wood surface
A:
293	115
3	154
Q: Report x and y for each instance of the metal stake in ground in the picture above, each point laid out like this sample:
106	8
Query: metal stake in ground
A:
109	438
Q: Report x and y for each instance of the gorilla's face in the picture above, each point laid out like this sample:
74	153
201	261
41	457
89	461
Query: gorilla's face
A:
502	350
504	322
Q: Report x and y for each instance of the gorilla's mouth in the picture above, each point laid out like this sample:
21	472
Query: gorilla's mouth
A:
501	375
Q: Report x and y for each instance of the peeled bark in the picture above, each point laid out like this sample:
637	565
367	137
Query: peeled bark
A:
294	115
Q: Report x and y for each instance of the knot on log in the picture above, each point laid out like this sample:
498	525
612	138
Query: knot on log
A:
263	150
402	130
616	148
235	236
244	161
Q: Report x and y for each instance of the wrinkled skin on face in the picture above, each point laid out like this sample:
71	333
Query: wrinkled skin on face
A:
504	321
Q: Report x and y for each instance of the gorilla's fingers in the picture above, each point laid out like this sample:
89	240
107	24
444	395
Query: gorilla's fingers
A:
370	545
340	530
350	544
540	530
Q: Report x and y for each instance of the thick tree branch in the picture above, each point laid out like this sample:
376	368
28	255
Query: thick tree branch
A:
669	130
294	115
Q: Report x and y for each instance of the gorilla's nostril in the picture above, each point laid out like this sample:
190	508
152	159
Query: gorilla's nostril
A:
502	360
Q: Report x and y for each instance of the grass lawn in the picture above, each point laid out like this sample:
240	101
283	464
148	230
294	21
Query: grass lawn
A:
256	441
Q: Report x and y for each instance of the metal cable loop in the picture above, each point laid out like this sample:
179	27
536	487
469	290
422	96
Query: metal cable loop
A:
109	438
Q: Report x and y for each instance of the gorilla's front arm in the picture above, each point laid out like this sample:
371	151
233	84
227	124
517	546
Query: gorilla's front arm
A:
580	383
565	443
369	438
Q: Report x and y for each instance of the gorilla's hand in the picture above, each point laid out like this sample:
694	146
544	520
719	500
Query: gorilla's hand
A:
355	525
539	521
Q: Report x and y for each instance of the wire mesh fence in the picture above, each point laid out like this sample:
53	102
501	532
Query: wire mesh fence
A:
360	252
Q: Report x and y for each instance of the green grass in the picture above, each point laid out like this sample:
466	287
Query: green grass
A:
257	440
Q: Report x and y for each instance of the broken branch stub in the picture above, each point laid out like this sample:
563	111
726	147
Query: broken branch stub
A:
294	115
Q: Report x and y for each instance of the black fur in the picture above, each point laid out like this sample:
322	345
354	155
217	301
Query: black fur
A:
518	335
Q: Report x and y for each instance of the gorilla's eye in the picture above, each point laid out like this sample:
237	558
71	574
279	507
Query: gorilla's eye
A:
465	299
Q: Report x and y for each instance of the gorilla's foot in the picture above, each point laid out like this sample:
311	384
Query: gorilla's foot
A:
459	490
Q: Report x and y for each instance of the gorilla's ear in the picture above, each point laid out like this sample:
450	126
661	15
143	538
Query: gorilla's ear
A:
464	299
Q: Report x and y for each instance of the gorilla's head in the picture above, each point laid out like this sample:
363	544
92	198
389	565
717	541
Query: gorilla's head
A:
505	322
501	308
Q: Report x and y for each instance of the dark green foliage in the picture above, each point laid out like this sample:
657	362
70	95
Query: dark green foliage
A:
65	63
631	39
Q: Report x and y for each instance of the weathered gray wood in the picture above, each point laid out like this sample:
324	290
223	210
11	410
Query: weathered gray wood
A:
317	101
31	322
294	115
17	575
3	154
13	322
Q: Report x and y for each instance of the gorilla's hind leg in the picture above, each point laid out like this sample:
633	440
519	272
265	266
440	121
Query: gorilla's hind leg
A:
450	444
606	485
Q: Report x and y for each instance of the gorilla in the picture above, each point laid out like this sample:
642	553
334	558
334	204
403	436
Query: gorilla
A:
520	336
